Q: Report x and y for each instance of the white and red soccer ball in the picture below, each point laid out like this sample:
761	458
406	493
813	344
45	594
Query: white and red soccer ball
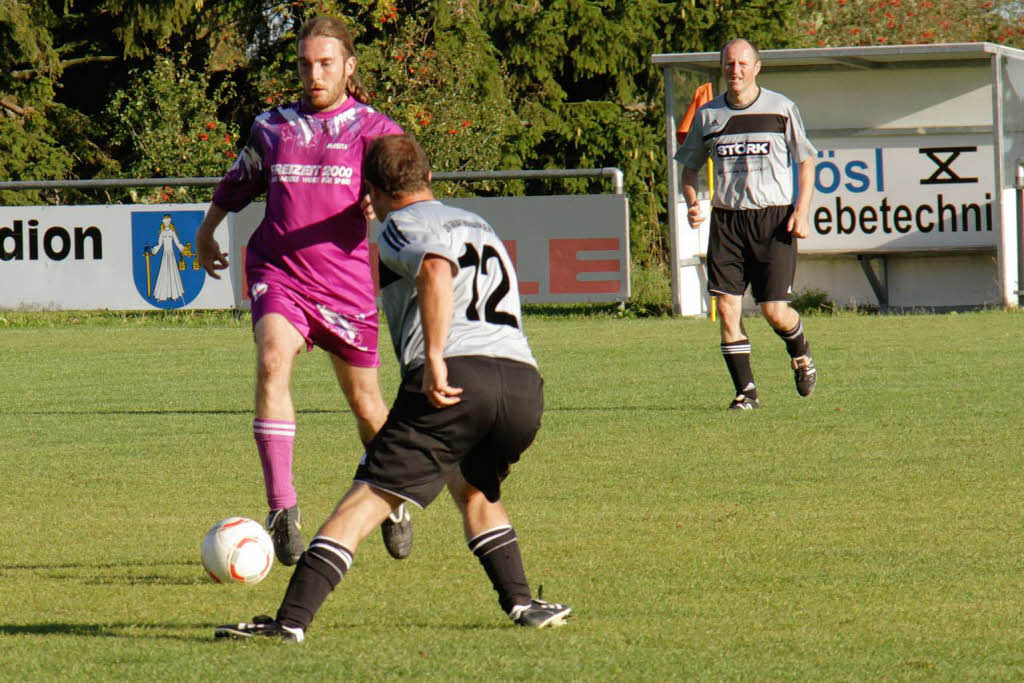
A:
237	550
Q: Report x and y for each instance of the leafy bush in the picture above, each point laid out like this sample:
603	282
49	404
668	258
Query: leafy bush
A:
813	301
165	123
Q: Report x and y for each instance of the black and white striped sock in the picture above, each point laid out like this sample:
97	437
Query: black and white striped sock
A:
498	552
737	359
319	570
796	343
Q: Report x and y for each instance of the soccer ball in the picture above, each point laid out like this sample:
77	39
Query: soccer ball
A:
237	549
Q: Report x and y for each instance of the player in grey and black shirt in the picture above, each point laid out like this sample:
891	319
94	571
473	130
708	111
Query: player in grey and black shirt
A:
754	136
470	402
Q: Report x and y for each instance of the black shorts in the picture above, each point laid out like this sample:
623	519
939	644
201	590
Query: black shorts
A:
753	248
482	435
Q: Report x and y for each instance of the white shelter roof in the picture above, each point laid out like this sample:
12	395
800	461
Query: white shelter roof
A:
855	58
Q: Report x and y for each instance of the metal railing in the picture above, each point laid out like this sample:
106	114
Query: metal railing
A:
451	176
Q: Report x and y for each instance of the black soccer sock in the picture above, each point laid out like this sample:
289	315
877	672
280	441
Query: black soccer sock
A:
796	343
737	359
498	552
318	571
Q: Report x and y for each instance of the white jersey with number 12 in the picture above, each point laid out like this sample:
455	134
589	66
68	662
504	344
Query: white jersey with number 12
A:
487	320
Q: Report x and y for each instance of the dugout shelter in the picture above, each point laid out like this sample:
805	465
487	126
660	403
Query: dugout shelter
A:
917	180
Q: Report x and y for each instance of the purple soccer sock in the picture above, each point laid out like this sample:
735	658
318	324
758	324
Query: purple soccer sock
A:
274	440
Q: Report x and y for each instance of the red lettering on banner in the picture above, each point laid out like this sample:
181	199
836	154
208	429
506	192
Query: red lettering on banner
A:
566	266
524	287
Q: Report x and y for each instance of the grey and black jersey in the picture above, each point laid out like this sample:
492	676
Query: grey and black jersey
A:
753	149
487	320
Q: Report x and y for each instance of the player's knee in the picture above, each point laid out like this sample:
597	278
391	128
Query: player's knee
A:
779	315
273	364
367	405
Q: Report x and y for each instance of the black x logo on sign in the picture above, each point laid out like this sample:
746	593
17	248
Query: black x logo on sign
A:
944	174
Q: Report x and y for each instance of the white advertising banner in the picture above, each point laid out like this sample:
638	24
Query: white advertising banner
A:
908	194
105	257
566	248
571	248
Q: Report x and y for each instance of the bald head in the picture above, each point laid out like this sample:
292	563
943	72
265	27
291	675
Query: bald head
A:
739	42
741	62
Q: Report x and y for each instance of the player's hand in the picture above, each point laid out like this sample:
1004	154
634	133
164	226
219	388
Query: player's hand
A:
367	208
695	215
435	384
211	258
797	225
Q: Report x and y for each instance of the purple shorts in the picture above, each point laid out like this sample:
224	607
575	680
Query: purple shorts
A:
352	338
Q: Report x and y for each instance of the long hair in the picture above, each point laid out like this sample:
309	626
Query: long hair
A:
332	27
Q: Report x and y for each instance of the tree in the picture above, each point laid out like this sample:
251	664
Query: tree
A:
587	93
165	123
60	62
835	23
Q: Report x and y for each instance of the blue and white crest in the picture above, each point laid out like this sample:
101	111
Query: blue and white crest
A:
164	263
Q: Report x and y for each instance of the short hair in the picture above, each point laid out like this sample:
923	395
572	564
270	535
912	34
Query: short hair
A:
396	165
332	27
721	53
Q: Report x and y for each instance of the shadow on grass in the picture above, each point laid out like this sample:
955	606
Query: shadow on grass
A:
198	633
94	565
245	411
114	574
324	411
115	630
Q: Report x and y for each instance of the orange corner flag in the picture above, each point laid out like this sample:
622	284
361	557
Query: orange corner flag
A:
702	96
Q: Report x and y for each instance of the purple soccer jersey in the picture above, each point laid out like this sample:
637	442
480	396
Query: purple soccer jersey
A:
313	235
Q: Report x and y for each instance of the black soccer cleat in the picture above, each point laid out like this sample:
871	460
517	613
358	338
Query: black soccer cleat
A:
262	626
397	533
805	374
540	614
285	527
744	402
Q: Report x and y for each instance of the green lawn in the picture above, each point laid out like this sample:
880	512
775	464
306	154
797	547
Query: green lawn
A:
871	531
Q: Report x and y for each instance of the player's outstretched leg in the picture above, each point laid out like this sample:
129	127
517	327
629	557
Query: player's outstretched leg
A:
397	533
321	567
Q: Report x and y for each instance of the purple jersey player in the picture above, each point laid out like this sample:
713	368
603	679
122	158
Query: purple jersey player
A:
307	263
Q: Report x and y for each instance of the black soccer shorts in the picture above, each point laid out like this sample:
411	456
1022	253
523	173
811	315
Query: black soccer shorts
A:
752	248
483	435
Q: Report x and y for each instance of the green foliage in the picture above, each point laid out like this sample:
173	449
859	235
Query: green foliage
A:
143	26
883	22
813	301
28	139
165	124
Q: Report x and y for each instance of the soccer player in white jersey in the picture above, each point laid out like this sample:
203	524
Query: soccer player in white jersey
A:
307	263
470	402
754	136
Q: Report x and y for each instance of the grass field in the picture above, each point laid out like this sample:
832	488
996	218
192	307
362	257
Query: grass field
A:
871	531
